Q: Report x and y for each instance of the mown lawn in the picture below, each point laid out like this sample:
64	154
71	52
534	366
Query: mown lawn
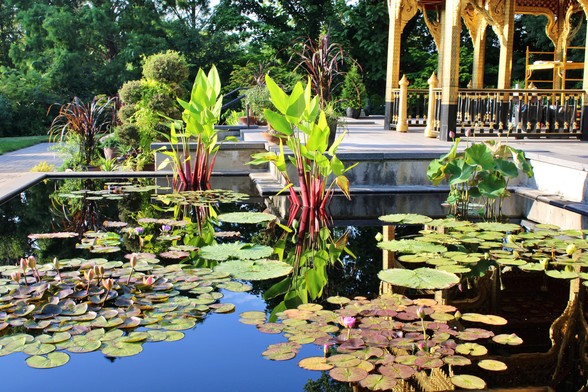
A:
8	144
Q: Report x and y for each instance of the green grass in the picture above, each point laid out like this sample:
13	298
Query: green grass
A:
8	144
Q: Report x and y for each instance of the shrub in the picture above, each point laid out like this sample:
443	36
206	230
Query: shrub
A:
131	92
168	68
127	134
353	93
6	116
126	113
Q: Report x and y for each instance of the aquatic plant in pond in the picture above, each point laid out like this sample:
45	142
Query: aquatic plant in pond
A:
457	250
478	177
83	305
200	116
301	121
388	341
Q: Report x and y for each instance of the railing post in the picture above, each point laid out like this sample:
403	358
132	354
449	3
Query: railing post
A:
430	128
402	125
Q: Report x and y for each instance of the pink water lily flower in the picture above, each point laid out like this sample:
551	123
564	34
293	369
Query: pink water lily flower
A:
348	322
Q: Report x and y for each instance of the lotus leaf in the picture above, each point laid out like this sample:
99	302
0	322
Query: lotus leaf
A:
51	360
420	278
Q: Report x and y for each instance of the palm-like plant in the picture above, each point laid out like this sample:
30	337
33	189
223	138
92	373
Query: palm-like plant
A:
84	122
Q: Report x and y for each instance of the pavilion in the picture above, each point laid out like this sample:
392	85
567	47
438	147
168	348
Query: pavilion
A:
555	112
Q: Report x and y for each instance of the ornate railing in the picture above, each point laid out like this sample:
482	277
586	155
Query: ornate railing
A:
521	113
531	113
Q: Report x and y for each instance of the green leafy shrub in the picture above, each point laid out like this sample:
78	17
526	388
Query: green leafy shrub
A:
6	116
131	92
353	93
127	134
168	68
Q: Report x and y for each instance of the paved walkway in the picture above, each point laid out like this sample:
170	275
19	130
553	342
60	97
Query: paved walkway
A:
364	136
15	174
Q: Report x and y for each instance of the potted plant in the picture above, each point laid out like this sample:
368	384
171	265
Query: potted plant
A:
353	93
258	99
110	145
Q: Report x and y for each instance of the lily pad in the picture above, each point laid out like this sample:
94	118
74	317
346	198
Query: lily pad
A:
51	360
406	219
254	269
315	363
420	278
492	365
508	339
246	217
121	349
378	382
467	381
348	374
411	246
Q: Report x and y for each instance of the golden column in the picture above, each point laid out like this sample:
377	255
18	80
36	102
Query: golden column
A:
450	67
584	121
399	12
476	23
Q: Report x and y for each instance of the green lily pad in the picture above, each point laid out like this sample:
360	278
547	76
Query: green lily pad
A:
492	365
474	349
246	217
406	219
37	348
420	278
511	340
467	381
315	363
457	360
561	274
411	246
121	349
254	269
497	226
81	344
51	360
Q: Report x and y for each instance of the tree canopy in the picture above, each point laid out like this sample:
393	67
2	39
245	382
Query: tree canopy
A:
53	50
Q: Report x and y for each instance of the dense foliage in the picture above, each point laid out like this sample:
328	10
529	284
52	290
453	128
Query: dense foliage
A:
54	50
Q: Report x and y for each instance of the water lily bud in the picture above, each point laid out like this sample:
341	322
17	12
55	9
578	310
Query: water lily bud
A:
486	256
15	276
108	283
451	135
56	262
148	280
509	239
379	237
544	262
32	261
89	274
457	315
468	132
101	270
133	261
348	322
325	349
96	270
23	265
421	312
421	346
571	248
